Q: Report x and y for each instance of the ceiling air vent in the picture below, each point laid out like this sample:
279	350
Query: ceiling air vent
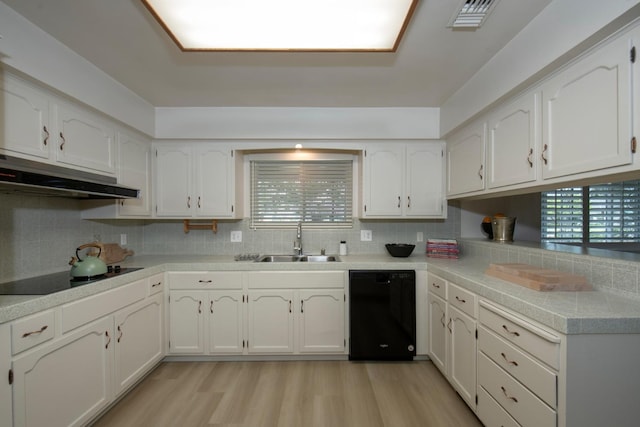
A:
471	14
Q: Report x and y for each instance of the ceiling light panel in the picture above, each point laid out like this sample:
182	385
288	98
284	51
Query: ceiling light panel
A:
305	25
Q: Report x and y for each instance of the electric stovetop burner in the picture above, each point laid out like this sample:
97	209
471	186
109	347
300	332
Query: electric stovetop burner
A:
56	282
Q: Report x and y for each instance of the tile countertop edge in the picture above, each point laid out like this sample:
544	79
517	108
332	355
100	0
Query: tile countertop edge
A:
565	312
570	313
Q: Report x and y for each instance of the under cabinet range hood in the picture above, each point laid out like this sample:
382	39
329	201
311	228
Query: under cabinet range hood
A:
25	176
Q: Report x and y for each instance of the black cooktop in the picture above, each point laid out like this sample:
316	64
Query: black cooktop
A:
56	282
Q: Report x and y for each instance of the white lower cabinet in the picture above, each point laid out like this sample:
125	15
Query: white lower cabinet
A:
206	313
213	313
452	340
68	378
139	338
186	322
321	321
271	321
67	382
518	364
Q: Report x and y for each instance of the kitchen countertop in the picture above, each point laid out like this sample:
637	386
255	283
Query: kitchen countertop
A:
590	312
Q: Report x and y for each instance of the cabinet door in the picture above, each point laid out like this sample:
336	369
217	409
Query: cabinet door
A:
186	322
462	356
84	140
270	321
465	160
68	382
138	338
173	181
586	114
424	189
321	321
438	332
384	176
214	181
24	120
513	137
134	171
226	311
6	410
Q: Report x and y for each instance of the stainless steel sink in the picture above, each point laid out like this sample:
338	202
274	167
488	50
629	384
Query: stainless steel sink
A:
298	258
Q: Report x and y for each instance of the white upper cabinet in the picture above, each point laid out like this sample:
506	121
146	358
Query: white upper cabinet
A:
83	140
586	113
36	125
513	138
465	160
134	166
195	180
24	120
404	180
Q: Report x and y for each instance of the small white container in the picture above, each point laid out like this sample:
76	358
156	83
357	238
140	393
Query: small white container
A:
343	247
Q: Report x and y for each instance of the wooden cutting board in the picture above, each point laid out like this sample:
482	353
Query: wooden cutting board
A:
111	252
537	278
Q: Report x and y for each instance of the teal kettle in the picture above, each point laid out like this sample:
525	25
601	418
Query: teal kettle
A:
89	267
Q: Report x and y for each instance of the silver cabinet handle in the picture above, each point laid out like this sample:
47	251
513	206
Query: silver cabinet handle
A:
290	306
449	326
189	202
399	201
442	320
301	306
529	159
435	285
205	281
156	284
119	336
408	201
199	202
199	307
46	137
544	150
211	307
460	299
480	172
64	141
106	333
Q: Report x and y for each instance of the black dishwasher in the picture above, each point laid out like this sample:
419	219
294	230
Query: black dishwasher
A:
382	314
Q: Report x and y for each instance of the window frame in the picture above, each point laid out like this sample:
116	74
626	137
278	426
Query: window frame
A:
298	156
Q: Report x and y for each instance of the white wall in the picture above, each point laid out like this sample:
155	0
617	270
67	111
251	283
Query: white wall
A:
300	123
28	49
557	33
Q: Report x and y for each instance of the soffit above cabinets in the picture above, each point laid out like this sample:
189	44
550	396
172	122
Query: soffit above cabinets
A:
124	40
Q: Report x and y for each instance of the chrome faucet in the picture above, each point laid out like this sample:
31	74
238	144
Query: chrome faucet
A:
297	244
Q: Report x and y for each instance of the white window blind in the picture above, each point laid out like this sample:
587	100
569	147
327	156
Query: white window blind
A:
318	193
562	219
598	213
614	212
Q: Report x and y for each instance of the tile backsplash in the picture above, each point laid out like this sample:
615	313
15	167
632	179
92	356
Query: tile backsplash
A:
619	275
38	235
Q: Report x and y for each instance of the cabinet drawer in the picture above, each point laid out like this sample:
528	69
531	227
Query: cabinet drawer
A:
520	403
32	330
94	307
205	280
156	284
491	413
524	368
438	286
534	340
462	299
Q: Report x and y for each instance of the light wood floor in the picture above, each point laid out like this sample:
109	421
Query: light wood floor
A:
292	394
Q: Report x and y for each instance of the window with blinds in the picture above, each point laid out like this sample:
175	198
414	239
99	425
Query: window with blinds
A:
604	213
319	193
